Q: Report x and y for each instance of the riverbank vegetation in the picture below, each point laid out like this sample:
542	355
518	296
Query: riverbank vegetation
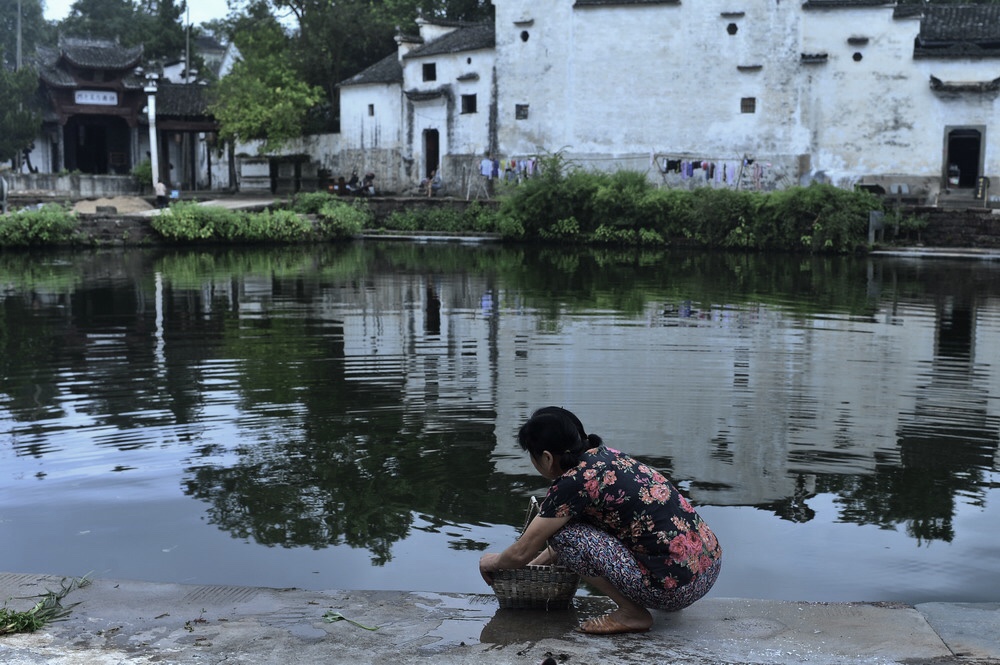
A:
334	219
50	224
564	204
572	204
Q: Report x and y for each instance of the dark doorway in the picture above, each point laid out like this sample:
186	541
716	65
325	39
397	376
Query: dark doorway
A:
97	145
432	151
964	147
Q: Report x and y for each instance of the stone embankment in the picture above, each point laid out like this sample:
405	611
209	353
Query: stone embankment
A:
969	227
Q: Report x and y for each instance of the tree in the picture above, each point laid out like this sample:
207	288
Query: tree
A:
20	120
162	31
263	97
156	24
103	19
33	30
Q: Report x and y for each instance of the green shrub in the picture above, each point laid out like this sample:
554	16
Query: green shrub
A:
311	203
191	222
274	225
670	211
560	191
563	229
50	224
612	234
188	221
474	218
404	220
817	218
618	200
343	220
481	219
143	172
510	227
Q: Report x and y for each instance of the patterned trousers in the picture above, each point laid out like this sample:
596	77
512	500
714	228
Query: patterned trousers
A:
591	552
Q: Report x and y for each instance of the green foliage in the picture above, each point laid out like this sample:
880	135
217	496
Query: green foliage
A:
561	190
191	222
619	199
562	229
263	97
338	219
474	218
20	119
156	24
818	218
34	30
143	172
49	225
271	225
188	221
566	203
47	609
310	203
335	40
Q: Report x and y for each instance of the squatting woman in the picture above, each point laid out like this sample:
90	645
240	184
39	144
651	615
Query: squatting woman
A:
618	523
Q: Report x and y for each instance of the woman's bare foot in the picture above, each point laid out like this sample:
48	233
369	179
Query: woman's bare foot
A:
618	622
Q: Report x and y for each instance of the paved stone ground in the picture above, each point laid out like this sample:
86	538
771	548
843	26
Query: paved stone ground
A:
120	622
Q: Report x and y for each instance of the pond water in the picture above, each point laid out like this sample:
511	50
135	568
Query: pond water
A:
344	417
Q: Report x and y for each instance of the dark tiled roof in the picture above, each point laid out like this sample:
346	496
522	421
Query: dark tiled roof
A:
471	37
51	71
386	70
620	3
46	59
959	31
99	54
181	101
845	4
960	23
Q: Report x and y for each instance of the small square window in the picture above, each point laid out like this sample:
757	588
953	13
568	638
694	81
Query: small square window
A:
430	71
371	109
468	103
520	111
748	105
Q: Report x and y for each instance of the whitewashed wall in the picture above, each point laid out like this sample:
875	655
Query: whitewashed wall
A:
461	136
380	130
611	85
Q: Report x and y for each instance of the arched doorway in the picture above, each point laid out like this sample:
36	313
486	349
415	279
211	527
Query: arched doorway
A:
964	147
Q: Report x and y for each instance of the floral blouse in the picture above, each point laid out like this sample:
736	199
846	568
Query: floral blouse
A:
641	507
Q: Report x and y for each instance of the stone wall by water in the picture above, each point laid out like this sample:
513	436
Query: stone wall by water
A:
971	227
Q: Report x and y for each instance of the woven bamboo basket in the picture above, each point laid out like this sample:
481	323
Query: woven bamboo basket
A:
535	587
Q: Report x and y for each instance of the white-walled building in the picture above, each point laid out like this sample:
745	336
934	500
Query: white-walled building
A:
765	94
429	106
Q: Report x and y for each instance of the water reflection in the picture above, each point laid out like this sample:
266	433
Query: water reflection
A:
349	397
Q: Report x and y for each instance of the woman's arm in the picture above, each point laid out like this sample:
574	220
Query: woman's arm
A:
525	549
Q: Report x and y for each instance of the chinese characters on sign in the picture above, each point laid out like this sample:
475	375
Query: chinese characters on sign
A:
97	97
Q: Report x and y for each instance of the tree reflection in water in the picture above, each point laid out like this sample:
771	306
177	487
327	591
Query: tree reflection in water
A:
338	395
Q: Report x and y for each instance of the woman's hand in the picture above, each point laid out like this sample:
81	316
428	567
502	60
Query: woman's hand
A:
488	566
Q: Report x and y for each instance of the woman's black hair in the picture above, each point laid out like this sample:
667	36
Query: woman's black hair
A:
559	432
